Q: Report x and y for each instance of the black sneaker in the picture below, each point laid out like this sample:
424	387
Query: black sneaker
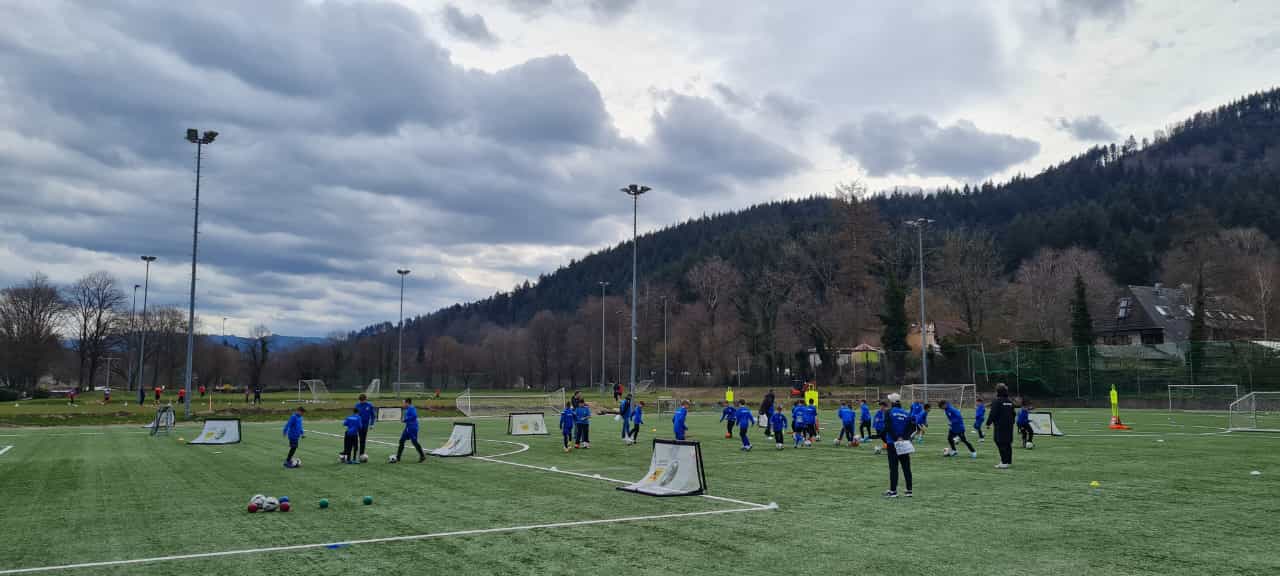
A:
907	494
890	494
422	459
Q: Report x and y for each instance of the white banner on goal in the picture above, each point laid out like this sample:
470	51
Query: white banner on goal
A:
526	424
1042	424
462	441
389	414
222	431
674	470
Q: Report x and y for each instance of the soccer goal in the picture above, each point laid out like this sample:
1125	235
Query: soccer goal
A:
1042	424
375	388
644	386
871	393
526	424
410	389
1255	412
313	391
959	395
474	405
667	405
1202	397
163	422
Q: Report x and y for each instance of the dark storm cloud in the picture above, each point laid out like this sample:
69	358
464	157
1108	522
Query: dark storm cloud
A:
469	27
885	144
1087	128
610	9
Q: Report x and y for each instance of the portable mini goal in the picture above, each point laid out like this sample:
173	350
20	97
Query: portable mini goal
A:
163	422
1255	412
474	405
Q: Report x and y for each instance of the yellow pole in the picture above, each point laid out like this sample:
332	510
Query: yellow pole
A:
1115	403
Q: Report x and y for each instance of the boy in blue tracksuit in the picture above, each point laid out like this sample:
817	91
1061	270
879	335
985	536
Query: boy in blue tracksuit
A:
582	422
727	415
955	421
1024	423
778	422
864	426
409	415
566	424
637	418
798	426
877	425
811	422
980	416
368	416
624	412
847	417
677	421
745	419
351	440
293	431
921	421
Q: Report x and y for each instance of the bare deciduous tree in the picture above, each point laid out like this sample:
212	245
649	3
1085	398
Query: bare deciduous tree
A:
1042	291
29	316
93	304
969	275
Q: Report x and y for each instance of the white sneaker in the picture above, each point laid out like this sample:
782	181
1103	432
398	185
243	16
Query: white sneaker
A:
1002	466
779	446
973	455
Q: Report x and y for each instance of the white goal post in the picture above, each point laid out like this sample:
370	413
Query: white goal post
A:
871	394
375	388
473	405
1202	397
961	396
1255	412
313	391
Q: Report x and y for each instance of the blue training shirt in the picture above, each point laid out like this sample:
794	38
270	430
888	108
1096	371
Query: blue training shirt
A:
778	420
898	425
582	414
352	423
410	419
877	422
678	421
368	414
1024	416
293	428
566	420
955	418
728	414
637	415
866	412
745	417
979	415
847	415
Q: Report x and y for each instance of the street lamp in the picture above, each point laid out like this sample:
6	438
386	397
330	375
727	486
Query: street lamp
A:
919	224
603	376
664	342
142	350
194	137
400	346
634	191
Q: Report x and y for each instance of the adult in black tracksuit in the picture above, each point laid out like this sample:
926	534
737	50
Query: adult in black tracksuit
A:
1000	415
766	410
898	426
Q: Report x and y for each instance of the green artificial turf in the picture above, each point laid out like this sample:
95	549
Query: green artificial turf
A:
1187	505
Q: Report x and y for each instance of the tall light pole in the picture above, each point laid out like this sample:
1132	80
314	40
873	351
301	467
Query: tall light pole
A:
133	333
919	224
603	373
142	350
664	342
194	137
620	312
634	191
400	346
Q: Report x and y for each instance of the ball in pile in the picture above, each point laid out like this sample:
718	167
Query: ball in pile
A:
270	505
284	506
367	500
324	503
253	507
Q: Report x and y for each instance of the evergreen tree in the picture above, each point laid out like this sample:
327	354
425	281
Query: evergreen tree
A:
894	317
1081	321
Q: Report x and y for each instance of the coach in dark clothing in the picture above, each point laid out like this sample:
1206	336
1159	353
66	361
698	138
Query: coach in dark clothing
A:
766	410
1000	415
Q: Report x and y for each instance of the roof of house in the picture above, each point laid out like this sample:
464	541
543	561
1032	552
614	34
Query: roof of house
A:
1150	308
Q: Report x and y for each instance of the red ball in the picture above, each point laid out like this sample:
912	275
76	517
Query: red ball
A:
253	508
284	506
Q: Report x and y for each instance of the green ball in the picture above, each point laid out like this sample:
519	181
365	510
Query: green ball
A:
324	503
368	500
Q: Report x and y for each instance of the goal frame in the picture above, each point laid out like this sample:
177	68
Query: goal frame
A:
316	397
871	394
1234	396
403	389
922	393
551	402
663	402
1236	412
165	421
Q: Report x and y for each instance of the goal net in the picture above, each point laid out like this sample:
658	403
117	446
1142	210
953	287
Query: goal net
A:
674	470
644	386
219	431
410	389
959	395
526	424
462	441
1042	424
375	388
163	422
667	405
871	393
313	391
1206	398
1255	412
473	405
388	414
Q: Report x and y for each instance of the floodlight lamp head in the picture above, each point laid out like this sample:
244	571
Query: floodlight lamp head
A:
402	271
635	190
193	135
209	135
149	258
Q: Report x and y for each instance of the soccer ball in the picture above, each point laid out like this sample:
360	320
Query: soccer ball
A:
392	459
1028	445
342	458
270	505
258	501
284	506
946	451
364	458
297	462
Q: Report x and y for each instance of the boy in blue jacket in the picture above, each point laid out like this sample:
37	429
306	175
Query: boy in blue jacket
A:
293	431
798	426
566	424
811	423
624	413
847	417
368	415
745	419
877	424
637	418
921	422
779	423
582	418
677	420
727	415
351	440
956	430
1024	424
409	415
980	416
864	426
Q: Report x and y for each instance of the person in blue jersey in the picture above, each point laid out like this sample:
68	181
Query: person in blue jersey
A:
955	422
293	432
877	426
847	418
637	418
979	414
678	420
582	422
778	423
921	419
368	416
798	426
351	439
811	422
745	419
864	420
409	415
1024	424
1000	416
898	426
566	424
727	415
624	413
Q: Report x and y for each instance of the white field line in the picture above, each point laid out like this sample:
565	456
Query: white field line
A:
406	538
5	449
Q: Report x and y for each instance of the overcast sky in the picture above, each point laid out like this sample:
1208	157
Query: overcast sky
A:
482	143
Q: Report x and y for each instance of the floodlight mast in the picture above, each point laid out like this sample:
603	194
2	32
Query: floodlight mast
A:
634	191
919	224
142	349
400	345
200	142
